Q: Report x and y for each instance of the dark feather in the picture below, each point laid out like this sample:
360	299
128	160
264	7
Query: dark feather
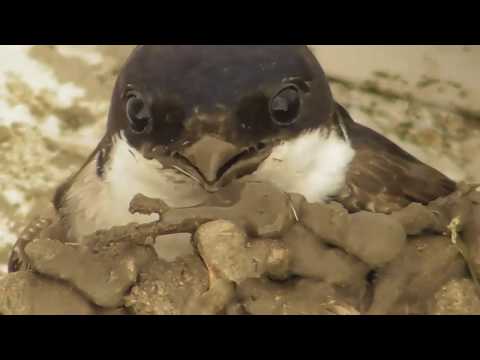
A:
383	177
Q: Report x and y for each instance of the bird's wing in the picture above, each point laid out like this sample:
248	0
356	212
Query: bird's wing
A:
384	178
36	228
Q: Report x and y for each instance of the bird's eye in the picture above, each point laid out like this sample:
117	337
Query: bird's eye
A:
139	118
285	106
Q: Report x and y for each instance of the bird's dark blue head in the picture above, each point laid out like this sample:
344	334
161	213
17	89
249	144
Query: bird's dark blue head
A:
212	108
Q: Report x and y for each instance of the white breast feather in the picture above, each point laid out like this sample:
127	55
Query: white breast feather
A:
96	204
314	165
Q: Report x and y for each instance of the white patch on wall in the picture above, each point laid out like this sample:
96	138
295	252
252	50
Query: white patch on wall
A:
51	127
16	61
13	197
85	52
17	114
68	93
6	236
17	198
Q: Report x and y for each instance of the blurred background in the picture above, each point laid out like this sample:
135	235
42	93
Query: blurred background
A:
54	101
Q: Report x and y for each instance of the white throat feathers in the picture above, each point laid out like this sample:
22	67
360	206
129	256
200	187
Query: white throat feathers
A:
314	165
94	203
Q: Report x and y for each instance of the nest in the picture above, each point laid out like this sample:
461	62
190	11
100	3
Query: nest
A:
256	250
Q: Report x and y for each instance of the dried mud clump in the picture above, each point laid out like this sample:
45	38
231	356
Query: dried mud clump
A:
257	250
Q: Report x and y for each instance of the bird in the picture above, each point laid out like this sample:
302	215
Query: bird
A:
187	120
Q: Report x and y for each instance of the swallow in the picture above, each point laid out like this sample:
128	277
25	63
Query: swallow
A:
187	120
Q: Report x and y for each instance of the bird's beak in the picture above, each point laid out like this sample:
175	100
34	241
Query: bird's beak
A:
215	162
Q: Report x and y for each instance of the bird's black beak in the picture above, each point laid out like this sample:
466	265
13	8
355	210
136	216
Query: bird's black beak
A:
215	162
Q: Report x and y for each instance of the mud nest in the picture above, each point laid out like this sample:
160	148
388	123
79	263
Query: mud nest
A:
256	250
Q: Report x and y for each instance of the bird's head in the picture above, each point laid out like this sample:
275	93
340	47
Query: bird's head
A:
216	112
